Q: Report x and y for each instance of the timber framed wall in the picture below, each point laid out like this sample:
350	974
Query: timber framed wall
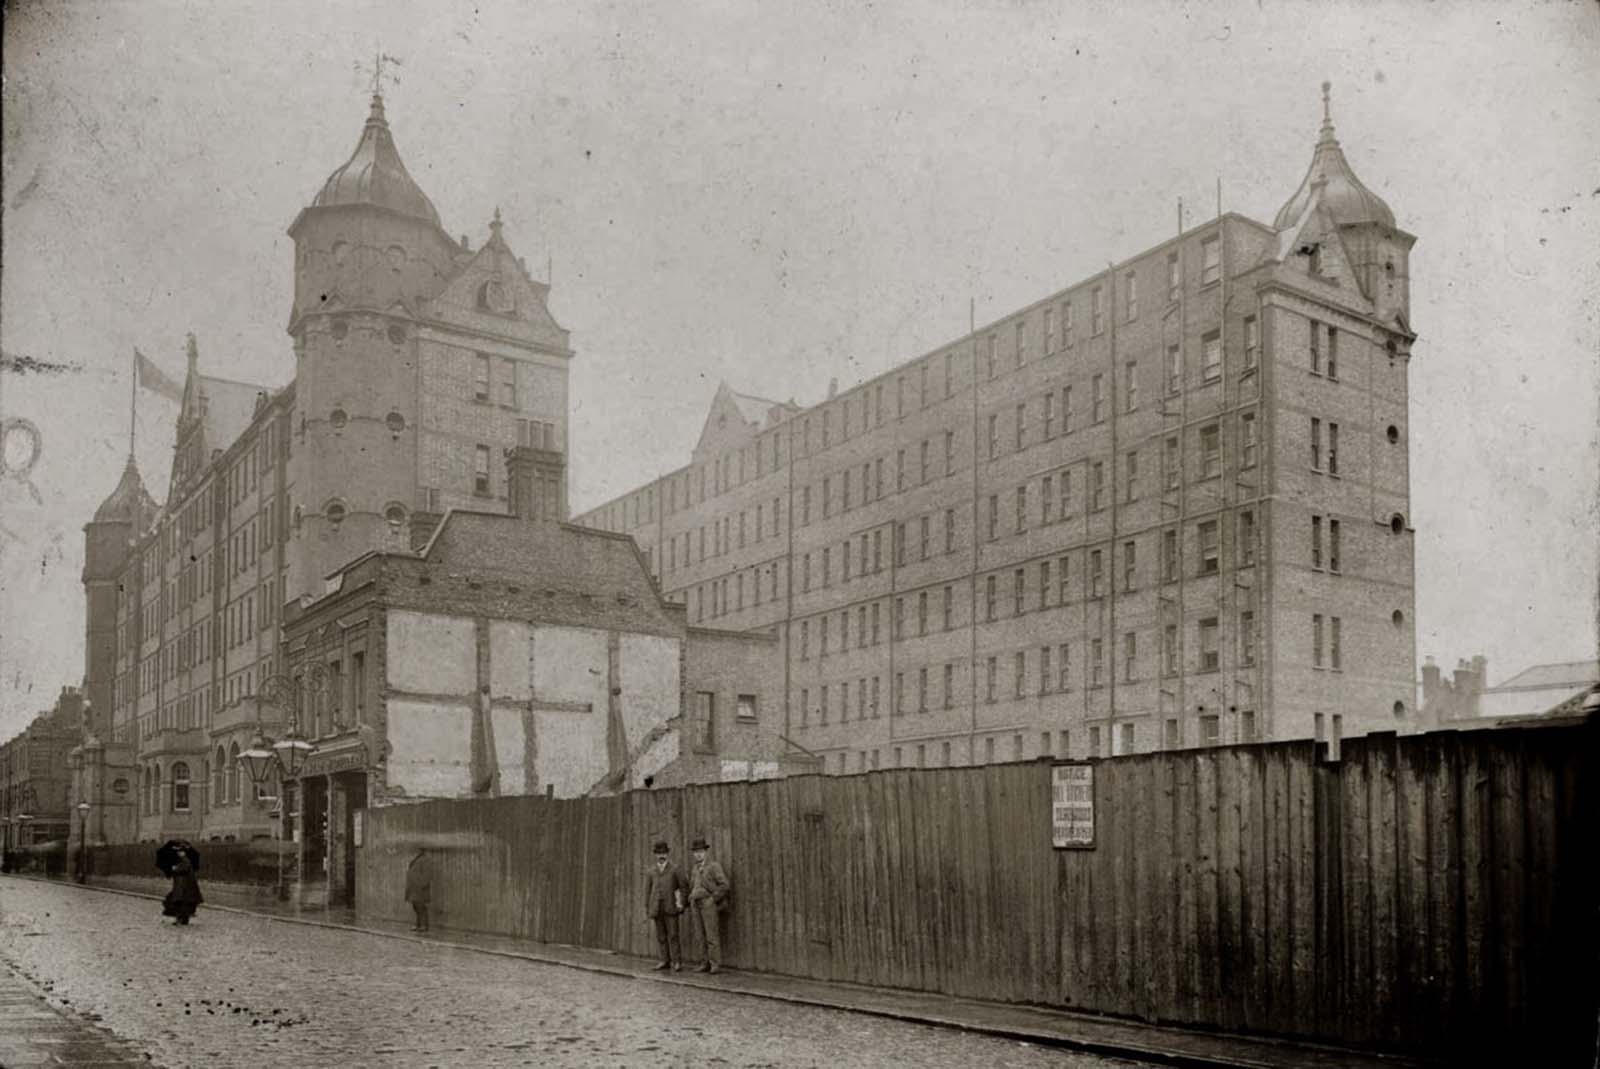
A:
1432	894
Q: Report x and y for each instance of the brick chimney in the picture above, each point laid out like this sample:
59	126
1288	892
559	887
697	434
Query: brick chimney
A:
538	483
1430	682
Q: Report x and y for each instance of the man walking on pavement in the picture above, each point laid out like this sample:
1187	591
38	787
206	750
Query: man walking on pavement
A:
419	888
708	890
664	890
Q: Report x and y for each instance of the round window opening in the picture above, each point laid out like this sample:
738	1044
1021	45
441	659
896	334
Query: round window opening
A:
1397	523
335	512
338	417
1399	708
1394	434
1399	618
397	334
340	329
395	422
395	514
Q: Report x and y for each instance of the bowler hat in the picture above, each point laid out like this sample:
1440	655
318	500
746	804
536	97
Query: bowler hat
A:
699	843
660	848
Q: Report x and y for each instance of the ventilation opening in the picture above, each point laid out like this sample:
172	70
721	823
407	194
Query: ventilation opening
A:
335	512
1399	708
396	515
338	417
395	422
1394	434
1398	619
1397	523
397	334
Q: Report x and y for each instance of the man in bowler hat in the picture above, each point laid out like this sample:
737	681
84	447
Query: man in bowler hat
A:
664	891
708	888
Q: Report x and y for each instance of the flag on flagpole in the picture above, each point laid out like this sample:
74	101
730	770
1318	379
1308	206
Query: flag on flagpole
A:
152	378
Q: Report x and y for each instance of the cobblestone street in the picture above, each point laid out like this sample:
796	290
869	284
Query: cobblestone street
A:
236	990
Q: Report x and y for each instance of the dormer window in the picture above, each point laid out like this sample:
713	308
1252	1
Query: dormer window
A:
492	297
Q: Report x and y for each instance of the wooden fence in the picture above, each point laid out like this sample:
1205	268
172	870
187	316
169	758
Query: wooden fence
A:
1432	894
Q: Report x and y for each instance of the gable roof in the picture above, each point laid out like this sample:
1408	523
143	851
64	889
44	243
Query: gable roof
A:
1555	676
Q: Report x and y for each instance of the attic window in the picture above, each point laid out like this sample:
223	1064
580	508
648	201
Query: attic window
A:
338	418
397	334
395	514
492	296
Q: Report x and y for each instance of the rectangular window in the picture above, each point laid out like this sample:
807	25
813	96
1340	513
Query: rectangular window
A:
949	607
1174	277
991	670
1173	739
1210	261
508	383
480	470
827	496
1066	494
1094	742
899	618
1066	410
480	377
1097	486
1129	565
1316	640
1169	650
1334	661
1333	545
1047	486
1097	312
1315	329
1066	324
1049	416
1316	444
994	516
989	597
1210	451
949	374
1247	639
1049	331
1130	386
1247	726
1171	468
1247	538
1022	427
1211	357
1097	663
922	698
924	526
1174	369
1097	392
1210	729
1019	672
1022	343
949	530
949	696
1252	342
949	452
1333	449
1316	542
994	355
1019	587
1247	440
1130	473
1130	656
1130	295
1333	352
1046	674
922	612
1169	556
1022	508
1063	573
1096	573
1209	660
1209	533
926	447
1044	584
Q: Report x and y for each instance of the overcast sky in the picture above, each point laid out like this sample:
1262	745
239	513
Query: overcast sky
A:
774	195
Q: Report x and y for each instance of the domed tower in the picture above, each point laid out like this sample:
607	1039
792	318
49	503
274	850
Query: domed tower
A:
107	539
1379	252
420	364
369	251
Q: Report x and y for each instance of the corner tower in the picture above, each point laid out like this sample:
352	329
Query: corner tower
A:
419	362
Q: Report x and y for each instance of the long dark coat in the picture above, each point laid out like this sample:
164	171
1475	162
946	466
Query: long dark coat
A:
419	880
184	898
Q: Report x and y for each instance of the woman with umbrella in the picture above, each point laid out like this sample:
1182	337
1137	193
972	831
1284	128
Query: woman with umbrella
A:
179	860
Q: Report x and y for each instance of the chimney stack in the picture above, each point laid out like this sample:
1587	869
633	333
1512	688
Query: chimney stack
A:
1430	681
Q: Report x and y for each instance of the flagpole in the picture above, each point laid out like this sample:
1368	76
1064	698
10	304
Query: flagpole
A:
133	401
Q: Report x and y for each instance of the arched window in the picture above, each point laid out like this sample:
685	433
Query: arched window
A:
180	787
219	781
233	772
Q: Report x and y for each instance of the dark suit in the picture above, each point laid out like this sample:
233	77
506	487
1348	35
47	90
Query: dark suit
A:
662	887
709	885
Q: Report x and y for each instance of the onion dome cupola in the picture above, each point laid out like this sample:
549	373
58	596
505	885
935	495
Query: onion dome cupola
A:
1343	197
376	175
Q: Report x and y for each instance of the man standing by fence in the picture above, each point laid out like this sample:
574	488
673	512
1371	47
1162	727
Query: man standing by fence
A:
419	888
664	890
708	892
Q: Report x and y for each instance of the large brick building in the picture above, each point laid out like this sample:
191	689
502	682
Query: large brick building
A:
419	362
35	788
1164	506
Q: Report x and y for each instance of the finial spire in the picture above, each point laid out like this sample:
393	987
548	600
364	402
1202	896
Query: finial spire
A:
1327	92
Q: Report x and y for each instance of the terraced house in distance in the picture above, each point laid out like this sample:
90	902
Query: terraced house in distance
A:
1165	506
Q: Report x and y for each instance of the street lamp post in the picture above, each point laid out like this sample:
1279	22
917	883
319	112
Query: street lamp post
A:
286	756
83	842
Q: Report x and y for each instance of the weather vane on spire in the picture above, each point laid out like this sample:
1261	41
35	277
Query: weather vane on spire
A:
1327	114
378	73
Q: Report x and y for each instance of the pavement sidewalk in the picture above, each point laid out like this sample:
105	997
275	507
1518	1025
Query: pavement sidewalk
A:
35	1033
1078	1031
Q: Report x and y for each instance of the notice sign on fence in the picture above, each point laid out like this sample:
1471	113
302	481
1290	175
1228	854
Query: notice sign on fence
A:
1072	806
